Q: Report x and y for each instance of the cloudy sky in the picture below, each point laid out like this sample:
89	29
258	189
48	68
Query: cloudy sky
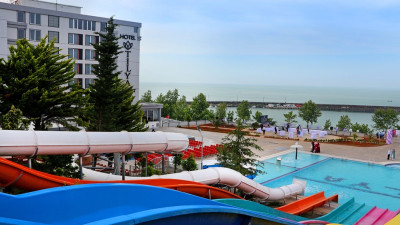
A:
280	42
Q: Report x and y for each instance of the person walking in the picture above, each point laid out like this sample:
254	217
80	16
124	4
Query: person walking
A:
153	129
389	153
312	146
276	130
393	154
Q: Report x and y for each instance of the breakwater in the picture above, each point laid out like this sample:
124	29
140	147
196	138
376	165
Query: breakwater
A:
324	107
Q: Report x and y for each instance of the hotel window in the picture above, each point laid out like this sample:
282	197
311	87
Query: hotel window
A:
34	18
54	21
80	24
90	54
21	17
75	53
89	81
91	39
135	29
78	68
21	33
52	35
88	68
76	39
34	35
103	26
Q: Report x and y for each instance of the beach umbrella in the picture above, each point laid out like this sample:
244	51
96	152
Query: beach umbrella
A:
389	137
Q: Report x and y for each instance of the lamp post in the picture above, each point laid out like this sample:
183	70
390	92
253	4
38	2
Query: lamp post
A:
202	144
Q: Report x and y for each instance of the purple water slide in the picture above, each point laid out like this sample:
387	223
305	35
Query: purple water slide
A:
377	216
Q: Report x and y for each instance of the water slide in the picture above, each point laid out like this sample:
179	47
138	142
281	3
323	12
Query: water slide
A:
377	216
308	203
13	174
338	215
31	143
122	204
257	207
219	175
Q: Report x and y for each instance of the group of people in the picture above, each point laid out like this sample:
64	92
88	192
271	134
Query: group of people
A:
391	154
380	135
315	147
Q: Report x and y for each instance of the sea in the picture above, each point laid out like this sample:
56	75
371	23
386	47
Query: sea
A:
286	94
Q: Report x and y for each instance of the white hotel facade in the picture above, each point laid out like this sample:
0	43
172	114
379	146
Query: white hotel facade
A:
74	33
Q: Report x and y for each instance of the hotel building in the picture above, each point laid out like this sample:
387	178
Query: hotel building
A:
74	35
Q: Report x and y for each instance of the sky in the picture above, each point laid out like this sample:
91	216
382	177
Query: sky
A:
273	42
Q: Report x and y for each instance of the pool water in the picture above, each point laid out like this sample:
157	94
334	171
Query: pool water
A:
371	184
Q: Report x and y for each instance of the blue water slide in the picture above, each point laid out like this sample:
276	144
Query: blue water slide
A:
122	204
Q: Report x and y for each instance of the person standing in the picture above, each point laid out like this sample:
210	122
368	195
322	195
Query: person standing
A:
276	130
317	147
153	129
393	154
312	146
263	128
389	154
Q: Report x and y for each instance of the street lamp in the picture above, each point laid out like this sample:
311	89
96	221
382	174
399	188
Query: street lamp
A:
202	144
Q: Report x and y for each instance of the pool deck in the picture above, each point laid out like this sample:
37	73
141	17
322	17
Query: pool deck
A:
274	146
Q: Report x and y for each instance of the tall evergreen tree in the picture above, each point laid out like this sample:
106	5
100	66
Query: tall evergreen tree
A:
111	98
237	152
35	79
38	81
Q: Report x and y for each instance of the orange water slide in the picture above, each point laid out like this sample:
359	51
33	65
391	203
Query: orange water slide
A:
16	175
308	203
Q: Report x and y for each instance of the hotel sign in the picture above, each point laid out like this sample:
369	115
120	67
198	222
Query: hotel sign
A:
127	37
127	45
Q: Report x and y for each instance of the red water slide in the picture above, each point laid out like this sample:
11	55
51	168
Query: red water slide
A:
16	175
308	203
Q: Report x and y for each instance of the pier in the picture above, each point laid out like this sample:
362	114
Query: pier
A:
324	107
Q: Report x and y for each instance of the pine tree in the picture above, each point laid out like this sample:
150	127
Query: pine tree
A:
111	98
35	79
236	152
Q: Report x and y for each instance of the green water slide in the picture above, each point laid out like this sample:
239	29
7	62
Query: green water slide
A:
249	205
345	213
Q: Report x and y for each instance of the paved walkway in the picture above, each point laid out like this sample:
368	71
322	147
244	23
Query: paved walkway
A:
274	146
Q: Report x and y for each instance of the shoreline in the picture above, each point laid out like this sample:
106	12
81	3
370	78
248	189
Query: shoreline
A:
295	106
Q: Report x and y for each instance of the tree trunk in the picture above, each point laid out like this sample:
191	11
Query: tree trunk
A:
117	163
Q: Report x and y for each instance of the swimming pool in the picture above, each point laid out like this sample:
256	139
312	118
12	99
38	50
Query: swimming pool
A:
371	184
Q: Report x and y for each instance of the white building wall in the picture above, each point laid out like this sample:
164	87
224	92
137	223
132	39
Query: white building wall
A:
3	39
